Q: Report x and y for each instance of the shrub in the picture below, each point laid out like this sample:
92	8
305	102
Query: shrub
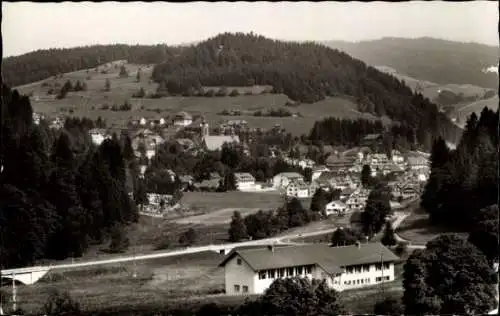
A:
234	93
61	304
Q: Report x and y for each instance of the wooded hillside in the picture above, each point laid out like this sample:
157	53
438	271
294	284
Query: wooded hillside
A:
305	72
430	59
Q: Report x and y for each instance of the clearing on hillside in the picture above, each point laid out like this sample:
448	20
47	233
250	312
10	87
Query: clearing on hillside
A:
97	102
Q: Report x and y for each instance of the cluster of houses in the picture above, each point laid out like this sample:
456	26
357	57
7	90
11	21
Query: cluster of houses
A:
341	169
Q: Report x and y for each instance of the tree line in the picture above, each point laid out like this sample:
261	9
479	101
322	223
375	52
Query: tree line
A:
463	184
305	72
56	198
42	64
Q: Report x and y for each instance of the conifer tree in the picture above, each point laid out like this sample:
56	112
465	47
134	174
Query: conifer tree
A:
388	239
237	229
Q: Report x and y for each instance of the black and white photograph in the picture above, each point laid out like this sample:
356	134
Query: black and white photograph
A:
249	158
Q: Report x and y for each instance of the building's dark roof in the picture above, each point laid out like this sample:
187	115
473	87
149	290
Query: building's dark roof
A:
332	259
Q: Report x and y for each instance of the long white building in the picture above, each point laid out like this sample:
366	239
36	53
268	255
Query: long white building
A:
252	271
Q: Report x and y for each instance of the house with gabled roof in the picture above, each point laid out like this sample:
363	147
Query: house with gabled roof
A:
252	271
183	119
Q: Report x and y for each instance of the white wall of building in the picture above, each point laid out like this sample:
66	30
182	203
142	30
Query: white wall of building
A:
356	278
150	153
238	272
183	122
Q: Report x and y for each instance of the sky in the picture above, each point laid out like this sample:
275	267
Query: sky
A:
28	26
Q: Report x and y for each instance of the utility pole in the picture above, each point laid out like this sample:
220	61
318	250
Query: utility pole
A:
134	273
382	269
14	307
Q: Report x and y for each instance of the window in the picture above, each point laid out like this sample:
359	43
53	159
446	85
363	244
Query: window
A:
245	289
366	268
238	262
362	281
289	272
357	269
309	269
271	274
281	273
386	278
262	275
386	266
236	288
299	270
378	279
378	266
367	280
349	270
359	281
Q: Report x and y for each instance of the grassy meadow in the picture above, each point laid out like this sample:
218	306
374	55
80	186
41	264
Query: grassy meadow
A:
90	103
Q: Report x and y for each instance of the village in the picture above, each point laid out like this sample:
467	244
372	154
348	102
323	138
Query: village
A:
406	172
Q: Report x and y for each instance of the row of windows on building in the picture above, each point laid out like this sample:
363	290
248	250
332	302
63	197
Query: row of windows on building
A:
365	268
237	288
285	272
365	281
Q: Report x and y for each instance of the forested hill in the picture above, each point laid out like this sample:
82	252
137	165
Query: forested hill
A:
42	64
306	72
429	59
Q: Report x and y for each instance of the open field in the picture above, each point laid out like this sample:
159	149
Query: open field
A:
211	201
430	89
114	286
477	107
209	214
89	103
417	228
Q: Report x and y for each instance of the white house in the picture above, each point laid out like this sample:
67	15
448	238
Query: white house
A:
252	271
282	180
317	171
397	158
298	189
244	181
37	118
183	119
335	207
417	163
98	135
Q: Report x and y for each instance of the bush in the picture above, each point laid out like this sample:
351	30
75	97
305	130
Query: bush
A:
119	240
163	243
188	237
401	249
389	306
61	304
209	93
234	93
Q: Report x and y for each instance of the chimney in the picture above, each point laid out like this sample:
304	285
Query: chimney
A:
271	248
